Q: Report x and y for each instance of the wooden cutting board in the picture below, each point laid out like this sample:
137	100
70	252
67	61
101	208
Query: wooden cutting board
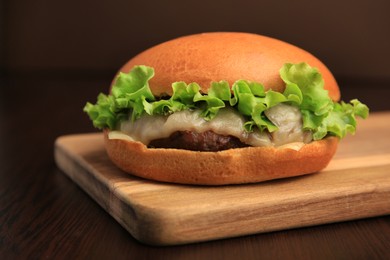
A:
356	184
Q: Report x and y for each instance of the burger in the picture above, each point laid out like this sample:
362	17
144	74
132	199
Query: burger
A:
223	108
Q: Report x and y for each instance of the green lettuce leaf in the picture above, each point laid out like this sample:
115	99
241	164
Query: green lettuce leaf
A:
103	114
252	101
218	93
320	114
309	81
131	98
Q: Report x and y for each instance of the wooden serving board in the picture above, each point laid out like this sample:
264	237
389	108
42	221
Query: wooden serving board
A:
356	184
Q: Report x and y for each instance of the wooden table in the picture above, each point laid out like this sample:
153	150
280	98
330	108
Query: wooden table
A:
43	214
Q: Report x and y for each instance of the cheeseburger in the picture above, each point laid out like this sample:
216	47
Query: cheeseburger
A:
223	108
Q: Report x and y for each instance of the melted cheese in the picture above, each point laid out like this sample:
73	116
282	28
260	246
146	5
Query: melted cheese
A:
288	119
227	122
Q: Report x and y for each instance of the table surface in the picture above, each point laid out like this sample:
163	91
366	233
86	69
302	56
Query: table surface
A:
40	221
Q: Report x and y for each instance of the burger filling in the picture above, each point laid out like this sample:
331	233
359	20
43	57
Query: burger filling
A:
189	130
244	114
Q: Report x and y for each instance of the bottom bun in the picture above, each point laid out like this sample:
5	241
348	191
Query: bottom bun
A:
234	166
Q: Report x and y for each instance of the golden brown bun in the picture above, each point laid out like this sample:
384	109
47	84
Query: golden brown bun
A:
207	57
234	166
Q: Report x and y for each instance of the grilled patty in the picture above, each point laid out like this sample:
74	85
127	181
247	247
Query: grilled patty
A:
206	141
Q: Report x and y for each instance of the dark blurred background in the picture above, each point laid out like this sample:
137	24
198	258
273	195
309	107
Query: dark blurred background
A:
79	45
352	37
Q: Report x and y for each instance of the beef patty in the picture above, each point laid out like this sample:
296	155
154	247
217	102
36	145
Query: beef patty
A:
206	141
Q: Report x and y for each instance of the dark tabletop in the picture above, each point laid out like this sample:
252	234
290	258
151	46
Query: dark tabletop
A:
43	214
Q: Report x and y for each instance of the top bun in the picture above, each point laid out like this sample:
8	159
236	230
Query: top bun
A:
230	56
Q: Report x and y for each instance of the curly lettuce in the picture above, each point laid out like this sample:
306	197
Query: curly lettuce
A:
131	97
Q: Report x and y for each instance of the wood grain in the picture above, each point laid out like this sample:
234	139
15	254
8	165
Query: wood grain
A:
356	184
